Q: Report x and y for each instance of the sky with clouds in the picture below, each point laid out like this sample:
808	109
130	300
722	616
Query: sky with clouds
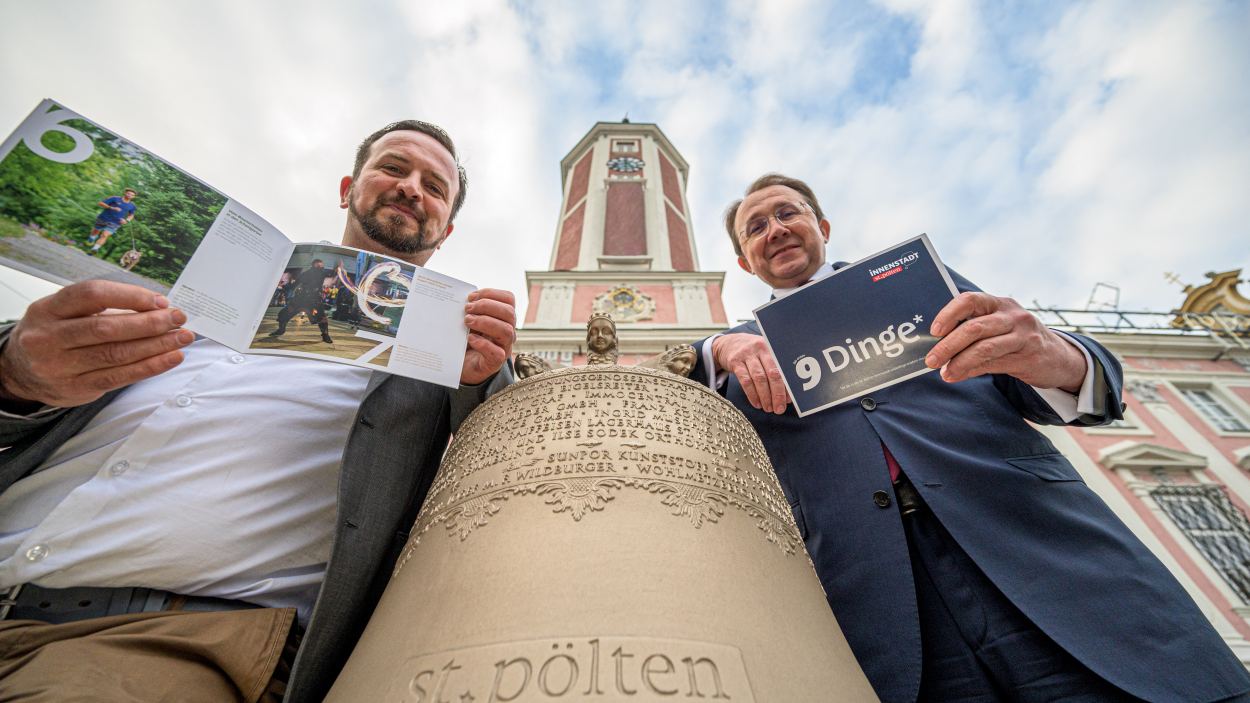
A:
1044	146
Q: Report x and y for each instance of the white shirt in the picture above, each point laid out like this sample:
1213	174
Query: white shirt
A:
1066	406
217	478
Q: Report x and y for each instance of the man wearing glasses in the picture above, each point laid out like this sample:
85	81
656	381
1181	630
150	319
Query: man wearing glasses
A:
962	554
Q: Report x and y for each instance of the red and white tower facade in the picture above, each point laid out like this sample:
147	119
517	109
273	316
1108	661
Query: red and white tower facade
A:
624	245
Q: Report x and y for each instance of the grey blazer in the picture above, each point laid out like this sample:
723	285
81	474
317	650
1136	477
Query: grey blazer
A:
392	454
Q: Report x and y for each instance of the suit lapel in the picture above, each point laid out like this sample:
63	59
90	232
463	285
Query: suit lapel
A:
376	379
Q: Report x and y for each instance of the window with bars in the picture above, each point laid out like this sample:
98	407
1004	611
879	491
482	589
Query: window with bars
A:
625	147
1215	526
1213	410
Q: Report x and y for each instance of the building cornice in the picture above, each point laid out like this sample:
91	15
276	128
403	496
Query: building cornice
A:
1182	346
1184	377
1131	454
632	338
601	277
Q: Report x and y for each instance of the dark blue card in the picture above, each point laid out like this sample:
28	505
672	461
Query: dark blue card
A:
863	328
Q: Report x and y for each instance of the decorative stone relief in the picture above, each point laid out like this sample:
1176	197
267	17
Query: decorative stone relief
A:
625	303
1146	391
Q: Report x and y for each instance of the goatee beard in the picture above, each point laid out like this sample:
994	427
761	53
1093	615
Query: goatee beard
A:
388	230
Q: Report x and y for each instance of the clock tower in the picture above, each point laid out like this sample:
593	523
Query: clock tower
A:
624	245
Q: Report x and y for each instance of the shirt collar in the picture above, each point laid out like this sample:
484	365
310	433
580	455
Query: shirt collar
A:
825	271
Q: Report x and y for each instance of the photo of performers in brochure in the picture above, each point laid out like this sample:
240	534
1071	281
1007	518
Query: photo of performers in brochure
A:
78	202
336	304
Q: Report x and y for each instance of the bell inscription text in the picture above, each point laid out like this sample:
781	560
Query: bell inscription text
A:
576	438
604	533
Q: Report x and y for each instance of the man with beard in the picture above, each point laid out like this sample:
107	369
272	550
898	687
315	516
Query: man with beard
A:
391	221
182	522
306	297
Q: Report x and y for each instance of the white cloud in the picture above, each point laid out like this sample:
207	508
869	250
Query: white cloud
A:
1082	143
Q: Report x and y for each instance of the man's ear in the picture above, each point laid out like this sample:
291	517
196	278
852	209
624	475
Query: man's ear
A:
446	234
742	262
345	191
824	230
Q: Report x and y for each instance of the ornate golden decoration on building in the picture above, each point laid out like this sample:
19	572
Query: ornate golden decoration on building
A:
1216	305
1219	295
626	303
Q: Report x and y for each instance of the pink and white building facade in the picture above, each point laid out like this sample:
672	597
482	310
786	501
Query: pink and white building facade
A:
1177	468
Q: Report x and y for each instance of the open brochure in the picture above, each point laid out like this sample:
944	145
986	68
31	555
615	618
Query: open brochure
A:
78	202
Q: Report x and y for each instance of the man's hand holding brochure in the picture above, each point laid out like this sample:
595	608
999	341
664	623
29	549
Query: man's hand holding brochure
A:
981	334
235	278
895	315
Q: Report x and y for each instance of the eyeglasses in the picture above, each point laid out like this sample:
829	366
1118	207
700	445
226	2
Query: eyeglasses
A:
785	214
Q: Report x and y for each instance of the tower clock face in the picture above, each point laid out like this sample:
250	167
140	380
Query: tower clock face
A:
626	164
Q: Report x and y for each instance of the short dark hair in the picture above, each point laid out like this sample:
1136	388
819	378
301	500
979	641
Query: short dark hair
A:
437	133
129	190
764	181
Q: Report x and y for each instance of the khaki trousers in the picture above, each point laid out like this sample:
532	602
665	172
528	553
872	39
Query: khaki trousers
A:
235	655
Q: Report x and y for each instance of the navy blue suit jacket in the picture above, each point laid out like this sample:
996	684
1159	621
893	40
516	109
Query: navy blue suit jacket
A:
1013	503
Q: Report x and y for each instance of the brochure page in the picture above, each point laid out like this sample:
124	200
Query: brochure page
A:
863	328
227	283
364	309
79	202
